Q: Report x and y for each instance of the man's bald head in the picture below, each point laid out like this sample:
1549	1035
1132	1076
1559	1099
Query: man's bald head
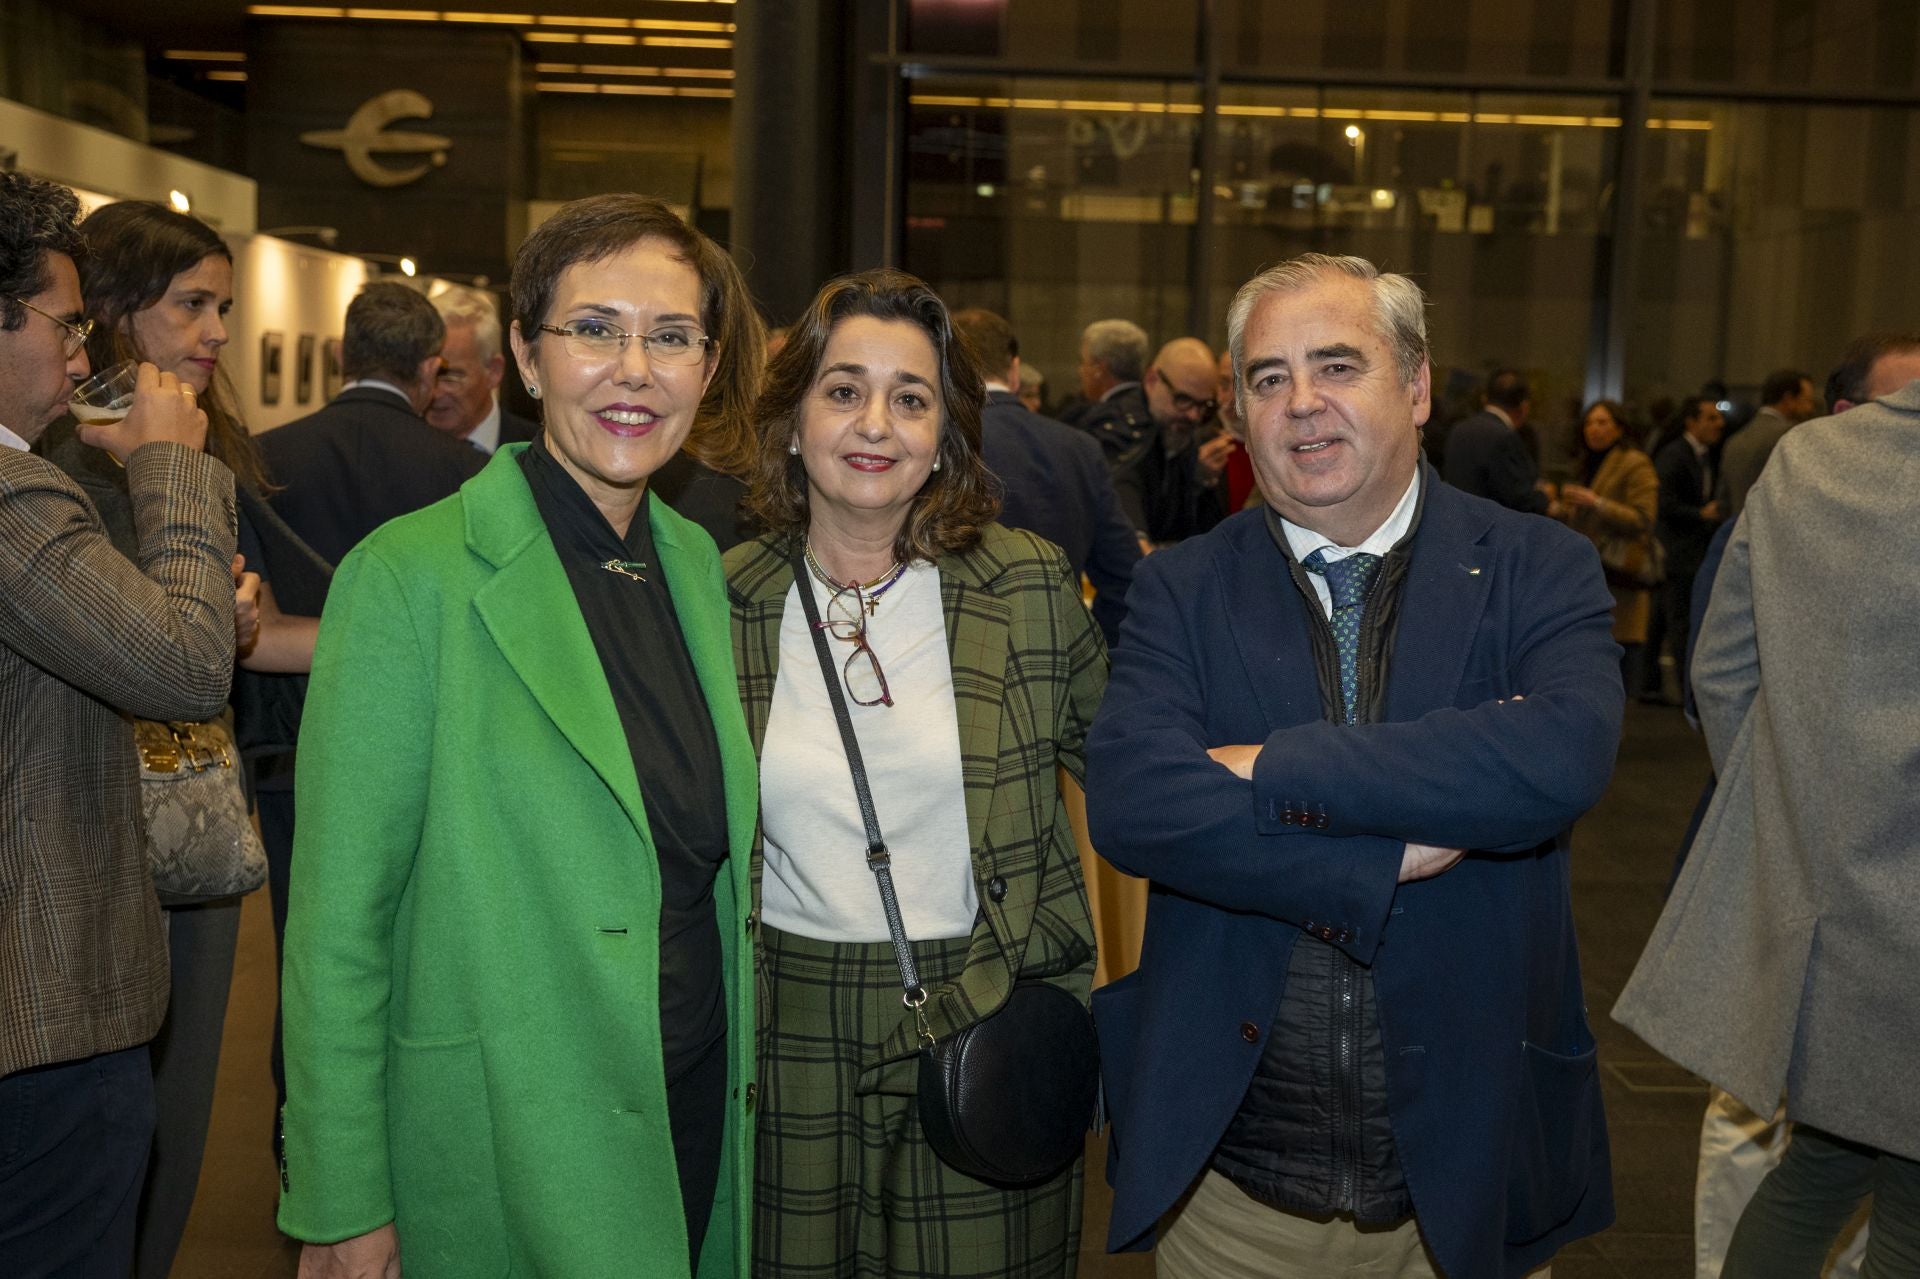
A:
1181	385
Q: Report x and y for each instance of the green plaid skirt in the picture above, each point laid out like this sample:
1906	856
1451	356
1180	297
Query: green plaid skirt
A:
845	1185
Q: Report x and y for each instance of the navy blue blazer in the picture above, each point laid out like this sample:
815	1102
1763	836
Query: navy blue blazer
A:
1492	1086
1057	485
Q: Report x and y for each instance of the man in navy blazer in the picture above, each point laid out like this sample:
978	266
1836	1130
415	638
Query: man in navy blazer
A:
1054	479
1356	1035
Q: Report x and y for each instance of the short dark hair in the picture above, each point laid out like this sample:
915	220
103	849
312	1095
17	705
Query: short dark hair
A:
37	218
1848	381
390	329
959	499
596	228
1691	407
1508	389
1781	384
990	336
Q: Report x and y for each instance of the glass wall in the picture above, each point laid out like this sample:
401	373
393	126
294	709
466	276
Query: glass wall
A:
1435	139
1055	202
1462	37
1833	44
1496	204
1772	234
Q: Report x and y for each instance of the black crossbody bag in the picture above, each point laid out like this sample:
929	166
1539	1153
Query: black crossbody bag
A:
1009	1099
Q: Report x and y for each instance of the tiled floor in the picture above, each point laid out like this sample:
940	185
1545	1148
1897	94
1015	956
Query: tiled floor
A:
1622	855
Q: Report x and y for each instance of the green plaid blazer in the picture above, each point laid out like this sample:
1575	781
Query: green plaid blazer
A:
1029	667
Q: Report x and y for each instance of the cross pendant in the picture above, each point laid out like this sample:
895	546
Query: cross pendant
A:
873	606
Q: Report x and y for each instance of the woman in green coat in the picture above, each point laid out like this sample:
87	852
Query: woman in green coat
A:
971	669
517	995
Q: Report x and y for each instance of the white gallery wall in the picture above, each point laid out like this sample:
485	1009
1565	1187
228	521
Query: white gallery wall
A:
289	306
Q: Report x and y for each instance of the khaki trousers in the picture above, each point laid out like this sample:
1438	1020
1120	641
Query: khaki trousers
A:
1220	1232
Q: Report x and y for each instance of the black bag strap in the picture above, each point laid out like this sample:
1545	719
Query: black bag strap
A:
878	859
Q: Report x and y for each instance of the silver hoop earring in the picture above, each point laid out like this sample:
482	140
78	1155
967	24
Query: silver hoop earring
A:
793	447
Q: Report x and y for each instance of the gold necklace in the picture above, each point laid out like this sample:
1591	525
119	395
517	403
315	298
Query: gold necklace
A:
871	591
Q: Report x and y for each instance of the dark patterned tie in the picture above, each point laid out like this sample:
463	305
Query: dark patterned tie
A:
1347	581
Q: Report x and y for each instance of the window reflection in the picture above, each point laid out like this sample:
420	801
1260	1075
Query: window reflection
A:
1054	202
1772	235
1495	204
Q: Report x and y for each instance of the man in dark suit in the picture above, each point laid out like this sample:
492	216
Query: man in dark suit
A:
87	638
1485	454
1688	513
466	395
1055	480
367	456
1787	399
1345	739
1169	481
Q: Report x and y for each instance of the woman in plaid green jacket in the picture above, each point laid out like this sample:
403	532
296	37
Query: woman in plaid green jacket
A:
972	670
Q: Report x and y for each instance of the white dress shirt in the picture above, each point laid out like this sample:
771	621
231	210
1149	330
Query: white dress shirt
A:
486	436
379	384
12	441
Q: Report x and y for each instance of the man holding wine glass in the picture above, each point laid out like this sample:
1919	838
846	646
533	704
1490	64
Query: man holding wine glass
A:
86	638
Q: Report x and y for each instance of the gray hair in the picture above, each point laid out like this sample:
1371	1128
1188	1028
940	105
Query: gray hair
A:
1399	309
461	305
1121	345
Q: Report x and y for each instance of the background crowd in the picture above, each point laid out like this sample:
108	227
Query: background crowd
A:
582	959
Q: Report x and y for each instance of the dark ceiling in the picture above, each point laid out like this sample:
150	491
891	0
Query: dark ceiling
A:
570	42
170	22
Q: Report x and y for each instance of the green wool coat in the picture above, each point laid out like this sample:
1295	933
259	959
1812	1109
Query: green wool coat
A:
472	953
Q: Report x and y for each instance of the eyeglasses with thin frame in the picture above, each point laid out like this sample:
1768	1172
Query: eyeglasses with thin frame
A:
847	621
77	334
598	341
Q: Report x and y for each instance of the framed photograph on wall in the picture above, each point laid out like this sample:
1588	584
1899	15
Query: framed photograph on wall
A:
303	371
271	347
330	376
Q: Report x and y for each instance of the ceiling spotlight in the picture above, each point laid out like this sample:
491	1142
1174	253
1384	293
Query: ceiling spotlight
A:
408	267
180	202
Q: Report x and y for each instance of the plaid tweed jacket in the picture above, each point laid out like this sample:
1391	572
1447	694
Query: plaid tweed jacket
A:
1029	667
87	638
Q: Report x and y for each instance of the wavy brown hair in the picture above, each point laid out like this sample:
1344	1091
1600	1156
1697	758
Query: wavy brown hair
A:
593	230
958	500
134	249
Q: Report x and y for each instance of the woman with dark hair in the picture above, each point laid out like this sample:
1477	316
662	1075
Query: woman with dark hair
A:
518	993
972	670
158	285
1613	500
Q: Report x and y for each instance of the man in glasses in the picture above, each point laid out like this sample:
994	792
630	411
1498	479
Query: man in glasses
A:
87	638
1169	483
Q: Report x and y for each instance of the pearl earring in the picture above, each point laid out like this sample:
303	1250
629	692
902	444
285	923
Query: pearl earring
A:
936	463
793	447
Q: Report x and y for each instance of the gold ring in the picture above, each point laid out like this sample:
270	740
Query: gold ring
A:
186	390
